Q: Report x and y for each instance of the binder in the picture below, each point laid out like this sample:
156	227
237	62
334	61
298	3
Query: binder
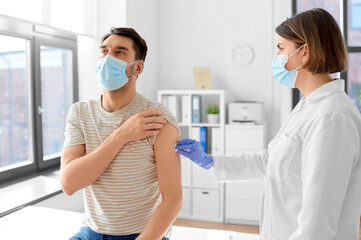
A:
196	133
203	138
173	106
186	109
165	101
216	141
196	109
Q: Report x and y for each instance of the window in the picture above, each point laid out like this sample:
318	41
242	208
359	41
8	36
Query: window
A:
348	15
14	102
38	83
71	15
354	78
354	23
354	48
332	6
56	80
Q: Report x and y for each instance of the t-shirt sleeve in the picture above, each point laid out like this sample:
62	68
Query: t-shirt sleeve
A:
73	131
168	116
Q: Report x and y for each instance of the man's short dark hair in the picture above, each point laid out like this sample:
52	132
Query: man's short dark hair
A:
140	46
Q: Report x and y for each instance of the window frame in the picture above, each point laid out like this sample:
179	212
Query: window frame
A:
37	35
344	30
57	43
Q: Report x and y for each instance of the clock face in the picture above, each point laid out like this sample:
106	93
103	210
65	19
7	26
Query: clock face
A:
242	54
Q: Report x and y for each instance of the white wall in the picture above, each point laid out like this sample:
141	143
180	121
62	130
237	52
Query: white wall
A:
143	16
110	13
204	32
105	14
282	97
88	55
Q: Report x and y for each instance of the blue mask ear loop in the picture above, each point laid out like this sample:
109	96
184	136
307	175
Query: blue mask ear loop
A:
130	64
296	50
294	53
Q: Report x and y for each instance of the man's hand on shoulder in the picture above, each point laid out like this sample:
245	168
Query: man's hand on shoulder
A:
142	125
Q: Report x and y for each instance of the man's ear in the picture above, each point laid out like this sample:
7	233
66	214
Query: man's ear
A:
139	66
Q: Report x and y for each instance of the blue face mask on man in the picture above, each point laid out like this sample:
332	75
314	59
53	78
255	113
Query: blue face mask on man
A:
282	75
111	72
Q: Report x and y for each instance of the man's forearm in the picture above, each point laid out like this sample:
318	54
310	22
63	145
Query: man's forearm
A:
162	219
82	172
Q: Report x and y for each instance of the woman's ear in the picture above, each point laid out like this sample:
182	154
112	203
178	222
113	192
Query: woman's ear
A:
305	53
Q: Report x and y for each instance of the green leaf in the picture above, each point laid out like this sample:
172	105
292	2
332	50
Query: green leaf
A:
212	109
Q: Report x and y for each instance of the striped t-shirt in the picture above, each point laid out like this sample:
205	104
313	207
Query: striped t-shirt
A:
123	199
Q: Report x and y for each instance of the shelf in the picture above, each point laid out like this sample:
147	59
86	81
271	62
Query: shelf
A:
197	182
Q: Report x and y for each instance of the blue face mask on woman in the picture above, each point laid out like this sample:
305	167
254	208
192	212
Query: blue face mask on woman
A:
111	72
282	75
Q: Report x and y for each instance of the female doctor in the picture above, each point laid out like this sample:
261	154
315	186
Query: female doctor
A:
312	168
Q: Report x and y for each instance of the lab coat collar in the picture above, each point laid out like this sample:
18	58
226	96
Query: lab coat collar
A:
337	85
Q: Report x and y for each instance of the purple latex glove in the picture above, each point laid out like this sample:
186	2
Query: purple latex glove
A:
193	150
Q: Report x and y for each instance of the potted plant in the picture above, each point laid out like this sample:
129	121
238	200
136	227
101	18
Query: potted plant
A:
213	113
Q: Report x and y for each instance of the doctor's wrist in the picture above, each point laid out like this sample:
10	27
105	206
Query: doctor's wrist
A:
208	162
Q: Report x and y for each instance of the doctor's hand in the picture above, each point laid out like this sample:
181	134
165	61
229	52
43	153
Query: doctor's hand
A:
194	151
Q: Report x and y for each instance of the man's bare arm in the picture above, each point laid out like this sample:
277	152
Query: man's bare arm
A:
79	170
170	184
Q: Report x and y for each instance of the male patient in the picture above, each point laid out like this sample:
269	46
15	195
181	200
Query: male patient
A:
119	148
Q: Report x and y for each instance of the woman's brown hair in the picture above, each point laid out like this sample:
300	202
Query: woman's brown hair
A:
319	30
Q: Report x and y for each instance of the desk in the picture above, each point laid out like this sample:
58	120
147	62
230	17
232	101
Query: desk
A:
19	194
39	223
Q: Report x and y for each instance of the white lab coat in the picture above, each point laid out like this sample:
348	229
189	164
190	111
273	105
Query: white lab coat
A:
311	170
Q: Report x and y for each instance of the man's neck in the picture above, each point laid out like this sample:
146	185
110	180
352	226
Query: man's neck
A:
115	100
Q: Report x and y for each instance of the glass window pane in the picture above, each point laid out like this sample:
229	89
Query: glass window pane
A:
354	78
332	6
23	9
354	22
14	119
56	97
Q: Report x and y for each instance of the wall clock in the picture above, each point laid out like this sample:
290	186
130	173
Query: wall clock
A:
242	54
